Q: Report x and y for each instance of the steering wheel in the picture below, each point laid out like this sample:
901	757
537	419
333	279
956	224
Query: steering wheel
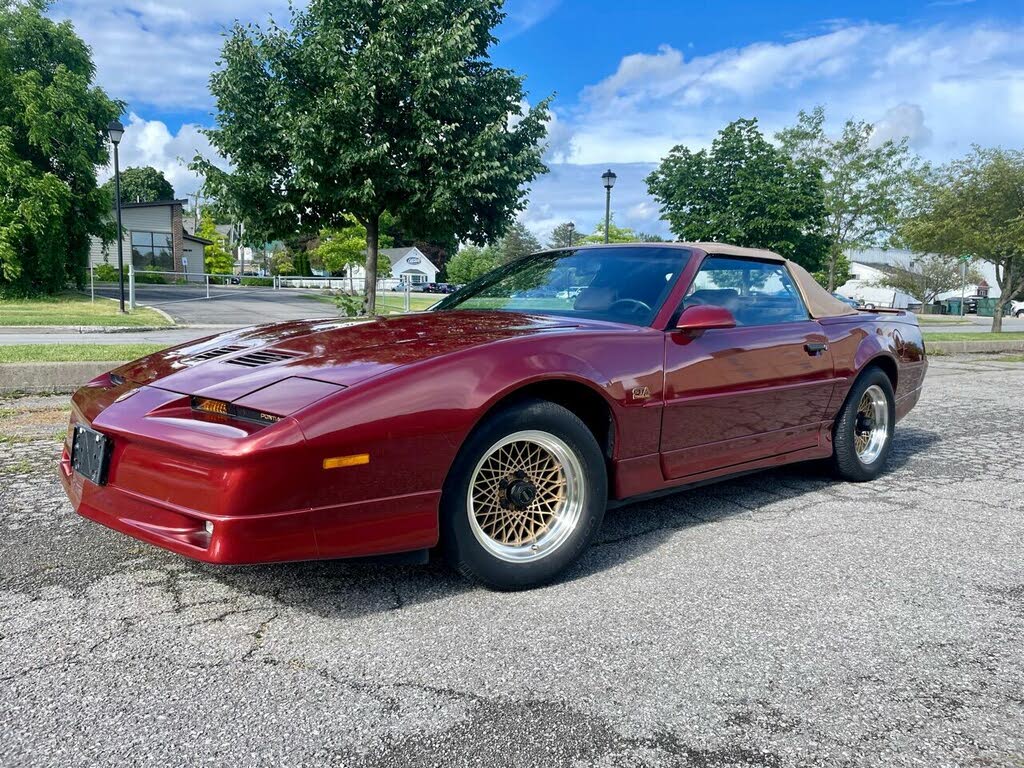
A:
631	306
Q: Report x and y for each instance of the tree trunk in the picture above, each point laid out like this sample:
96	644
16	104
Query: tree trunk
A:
1006	278
372	225
833	257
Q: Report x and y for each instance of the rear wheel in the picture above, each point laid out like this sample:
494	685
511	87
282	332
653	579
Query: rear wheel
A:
524	498
863	431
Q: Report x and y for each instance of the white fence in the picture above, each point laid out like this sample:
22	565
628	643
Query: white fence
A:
202	283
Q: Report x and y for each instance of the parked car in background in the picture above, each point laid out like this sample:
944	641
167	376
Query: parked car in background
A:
847	301
498	425
439	288
1017	308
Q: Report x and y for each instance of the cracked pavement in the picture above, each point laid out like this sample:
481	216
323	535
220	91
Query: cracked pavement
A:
780	619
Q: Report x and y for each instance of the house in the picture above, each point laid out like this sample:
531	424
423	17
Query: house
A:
154	237
408	265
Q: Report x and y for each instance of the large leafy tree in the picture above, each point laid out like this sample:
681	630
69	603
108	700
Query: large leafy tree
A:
142	185
866	184
744	191
51	143
366	106
471	262
975	207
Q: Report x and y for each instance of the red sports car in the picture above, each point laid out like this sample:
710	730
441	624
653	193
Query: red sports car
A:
498	425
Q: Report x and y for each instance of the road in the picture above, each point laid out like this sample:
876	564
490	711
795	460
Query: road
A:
228	305
781	619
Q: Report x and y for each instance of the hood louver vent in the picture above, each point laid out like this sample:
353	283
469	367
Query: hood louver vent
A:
256	359
212	353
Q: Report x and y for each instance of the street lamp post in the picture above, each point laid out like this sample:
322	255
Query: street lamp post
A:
609	181
572	231
115	131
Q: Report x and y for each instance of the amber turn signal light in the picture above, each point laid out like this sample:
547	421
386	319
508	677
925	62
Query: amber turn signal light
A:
220	408
347	461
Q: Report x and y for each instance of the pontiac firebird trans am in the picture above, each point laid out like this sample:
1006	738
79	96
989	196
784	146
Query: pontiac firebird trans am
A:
499	424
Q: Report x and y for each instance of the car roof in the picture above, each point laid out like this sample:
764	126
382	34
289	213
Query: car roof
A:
724	249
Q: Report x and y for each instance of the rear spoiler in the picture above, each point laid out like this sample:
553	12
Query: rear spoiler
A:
885	310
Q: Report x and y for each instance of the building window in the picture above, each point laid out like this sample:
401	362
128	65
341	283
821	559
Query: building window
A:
414	276
153	250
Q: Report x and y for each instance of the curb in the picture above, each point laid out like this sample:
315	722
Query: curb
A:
45	329
50	378
973	347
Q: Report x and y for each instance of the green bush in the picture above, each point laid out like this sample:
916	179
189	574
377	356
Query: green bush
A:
264	282
148	277
350	304
105	273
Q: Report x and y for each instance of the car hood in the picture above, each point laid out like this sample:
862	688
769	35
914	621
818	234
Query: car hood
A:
341	352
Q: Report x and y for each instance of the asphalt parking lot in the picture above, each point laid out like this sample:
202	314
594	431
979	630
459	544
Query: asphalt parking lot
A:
235	305
781	619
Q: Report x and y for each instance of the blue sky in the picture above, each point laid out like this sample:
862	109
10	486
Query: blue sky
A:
631	79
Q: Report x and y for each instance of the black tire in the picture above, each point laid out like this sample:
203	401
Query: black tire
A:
462	548
1020	313
846	462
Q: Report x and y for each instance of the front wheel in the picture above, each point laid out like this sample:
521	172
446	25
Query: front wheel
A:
1020	314
525	497
862	437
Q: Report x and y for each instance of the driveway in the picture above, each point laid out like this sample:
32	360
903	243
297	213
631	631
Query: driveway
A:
780	619
228	305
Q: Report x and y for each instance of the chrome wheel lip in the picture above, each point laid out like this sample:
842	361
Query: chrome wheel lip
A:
873	412
564	521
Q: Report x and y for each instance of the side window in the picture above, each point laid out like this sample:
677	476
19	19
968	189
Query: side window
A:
756	292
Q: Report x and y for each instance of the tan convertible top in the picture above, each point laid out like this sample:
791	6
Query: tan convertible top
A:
820	303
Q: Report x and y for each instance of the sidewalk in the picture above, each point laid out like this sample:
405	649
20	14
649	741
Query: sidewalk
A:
70	334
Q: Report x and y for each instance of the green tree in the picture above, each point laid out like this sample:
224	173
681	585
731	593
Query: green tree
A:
281	263
866	185
365	106
517	242
564	235
141	185
617	234
746	192
470	262
927	276
975	207
217	259
345	246
51	143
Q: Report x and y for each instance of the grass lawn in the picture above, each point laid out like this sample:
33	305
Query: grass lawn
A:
64	353
73	309
958	336
388	302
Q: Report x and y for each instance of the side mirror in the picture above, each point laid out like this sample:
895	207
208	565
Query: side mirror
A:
705	318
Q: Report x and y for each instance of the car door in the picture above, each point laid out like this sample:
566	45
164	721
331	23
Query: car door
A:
759	389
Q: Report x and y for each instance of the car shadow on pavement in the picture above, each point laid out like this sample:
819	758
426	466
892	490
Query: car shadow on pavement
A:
351	589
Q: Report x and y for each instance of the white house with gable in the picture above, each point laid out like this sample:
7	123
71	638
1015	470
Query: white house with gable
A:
408	265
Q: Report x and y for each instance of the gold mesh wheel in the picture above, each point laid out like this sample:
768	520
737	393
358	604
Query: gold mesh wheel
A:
872	425
526	496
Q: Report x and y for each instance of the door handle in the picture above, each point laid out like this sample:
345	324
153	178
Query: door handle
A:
815	347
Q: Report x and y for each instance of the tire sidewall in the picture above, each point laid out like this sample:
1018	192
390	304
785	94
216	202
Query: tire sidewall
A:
461	547
848	462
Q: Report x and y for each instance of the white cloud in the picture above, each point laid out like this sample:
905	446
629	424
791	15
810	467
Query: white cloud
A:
159	54
150	142
904	121
523	14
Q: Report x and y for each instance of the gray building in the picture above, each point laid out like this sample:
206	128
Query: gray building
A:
153	238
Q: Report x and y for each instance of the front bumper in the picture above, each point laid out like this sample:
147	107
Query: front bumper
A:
216	494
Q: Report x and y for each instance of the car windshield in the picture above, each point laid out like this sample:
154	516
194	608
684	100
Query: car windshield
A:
620	284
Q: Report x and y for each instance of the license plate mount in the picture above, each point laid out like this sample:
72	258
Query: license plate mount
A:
90	454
